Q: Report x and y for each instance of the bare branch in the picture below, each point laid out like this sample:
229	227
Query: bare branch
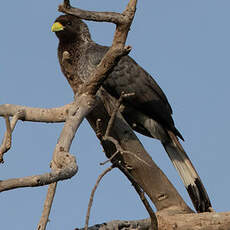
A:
51	115
63	165
47	206
113	116
122	165
117	49
110	59
112	139
91	15
201	221
76	114
85	102
68	170
92	195
153	181
110	159
140	192
7	140
117	18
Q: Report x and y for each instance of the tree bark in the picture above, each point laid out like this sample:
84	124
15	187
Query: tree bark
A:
145	172
202	221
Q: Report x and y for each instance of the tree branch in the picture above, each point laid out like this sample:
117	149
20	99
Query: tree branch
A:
39	180
51	115
112	17
47	206
201	221
92	195
10	125
76	114
145	172
88	89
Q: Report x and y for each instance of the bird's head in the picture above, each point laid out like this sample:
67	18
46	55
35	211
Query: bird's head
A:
70	28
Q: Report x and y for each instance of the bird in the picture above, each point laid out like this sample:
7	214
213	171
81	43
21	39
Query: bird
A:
148	111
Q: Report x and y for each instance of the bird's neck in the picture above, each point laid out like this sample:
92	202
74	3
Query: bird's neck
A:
70	55
74	48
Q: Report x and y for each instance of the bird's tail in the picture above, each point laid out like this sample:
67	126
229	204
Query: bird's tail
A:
188	174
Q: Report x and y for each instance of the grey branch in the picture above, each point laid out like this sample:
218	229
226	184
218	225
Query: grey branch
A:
76	113
202	221
85	98
148	176
39	180
112	17
10	125
47	206
51	115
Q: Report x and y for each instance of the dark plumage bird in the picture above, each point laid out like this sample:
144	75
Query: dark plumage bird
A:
148	111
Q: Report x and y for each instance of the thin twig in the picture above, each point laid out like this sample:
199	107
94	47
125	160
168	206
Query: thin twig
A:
110	126
47	206
113	116
121	151
110	159
154	223
140	192
92	194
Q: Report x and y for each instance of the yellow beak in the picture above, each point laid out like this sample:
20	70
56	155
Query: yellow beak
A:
57	26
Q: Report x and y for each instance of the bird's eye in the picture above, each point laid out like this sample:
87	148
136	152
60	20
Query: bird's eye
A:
69	23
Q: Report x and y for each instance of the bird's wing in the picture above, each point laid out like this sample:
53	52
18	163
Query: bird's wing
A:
128	77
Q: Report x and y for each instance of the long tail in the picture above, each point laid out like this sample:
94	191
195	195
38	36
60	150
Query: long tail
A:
188	174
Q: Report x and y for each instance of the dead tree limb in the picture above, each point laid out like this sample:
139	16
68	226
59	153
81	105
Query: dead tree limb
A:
112	17
67	172
10	125
47	206
52	115
148	176
88	89
76	113
125	169
201	221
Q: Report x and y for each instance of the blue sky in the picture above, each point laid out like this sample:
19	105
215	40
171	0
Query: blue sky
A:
183	44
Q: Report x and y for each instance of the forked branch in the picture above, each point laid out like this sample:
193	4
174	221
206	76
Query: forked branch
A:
89	89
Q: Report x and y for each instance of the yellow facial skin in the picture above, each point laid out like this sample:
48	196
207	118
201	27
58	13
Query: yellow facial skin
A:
57	26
